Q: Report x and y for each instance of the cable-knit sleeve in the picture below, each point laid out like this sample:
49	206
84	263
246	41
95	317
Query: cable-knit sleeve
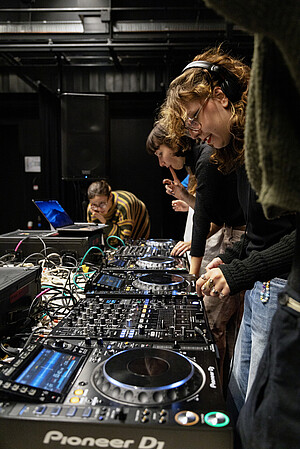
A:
274	261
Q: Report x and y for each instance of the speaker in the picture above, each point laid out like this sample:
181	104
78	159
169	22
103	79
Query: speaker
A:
84	136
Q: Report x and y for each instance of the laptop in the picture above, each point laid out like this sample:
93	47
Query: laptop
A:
61	222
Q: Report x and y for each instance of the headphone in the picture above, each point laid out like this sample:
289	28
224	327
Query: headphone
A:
229	83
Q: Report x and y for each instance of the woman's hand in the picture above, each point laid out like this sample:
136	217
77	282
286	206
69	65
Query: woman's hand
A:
175	188
180	206
214	263
180	248
212	283
98	215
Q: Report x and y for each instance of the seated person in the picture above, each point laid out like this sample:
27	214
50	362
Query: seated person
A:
124	214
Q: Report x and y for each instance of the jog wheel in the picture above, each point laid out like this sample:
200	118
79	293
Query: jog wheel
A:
156	262
148	376
159	282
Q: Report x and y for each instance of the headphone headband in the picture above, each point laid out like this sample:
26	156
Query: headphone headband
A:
229	83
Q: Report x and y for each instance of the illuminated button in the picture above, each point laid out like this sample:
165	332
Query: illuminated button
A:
23	410
144	419
216	419
74	400
40	410
78	392
186	418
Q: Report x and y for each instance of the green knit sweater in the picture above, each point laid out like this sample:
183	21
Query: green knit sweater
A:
272	134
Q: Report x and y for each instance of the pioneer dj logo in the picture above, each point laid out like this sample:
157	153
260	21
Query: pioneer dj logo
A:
213	383
117	443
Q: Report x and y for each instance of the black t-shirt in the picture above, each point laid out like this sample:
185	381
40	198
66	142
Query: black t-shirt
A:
216	197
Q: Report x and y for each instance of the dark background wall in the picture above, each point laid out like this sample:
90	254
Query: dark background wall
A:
124	50
27	129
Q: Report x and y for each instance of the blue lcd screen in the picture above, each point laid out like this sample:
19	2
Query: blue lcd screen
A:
110	281
49	370
54	213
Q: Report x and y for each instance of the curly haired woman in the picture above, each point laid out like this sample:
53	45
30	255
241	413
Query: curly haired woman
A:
208	101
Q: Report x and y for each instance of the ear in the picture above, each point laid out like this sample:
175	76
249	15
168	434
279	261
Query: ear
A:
220	96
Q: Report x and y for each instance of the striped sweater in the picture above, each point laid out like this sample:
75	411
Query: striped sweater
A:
127	218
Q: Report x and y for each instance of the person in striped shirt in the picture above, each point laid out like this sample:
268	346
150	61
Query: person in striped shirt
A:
125	215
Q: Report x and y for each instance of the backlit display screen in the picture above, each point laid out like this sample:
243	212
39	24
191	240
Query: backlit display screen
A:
110	281
49	370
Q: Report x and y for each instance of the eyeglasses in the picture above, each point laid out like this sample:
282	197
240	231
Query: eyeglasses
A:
192	123
99	206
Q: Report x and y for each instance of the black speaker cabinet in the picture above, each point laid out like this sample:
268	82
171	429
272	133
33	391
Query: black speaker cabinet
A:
84	136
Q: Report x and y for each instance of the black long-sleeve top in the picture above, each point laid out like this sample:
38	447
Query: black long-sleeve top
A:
216	197
267	249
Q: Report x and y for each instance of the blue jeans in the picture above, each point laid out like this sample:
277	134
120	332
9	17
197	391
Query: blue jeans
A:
251	341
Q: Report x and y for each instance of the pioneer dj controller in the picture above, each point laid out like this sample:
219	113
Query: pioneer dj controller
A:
113	394
133	365
139	282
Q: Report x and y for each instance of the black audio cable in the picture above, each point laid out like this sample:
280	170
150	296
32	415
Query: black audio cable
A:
200	331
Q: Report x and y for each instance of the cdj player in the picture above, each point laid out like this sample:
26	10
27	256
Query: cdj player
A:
147	255
113	395
137	282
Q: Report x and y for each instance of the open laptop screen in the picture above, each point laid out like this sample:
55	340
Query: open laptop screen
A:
54	213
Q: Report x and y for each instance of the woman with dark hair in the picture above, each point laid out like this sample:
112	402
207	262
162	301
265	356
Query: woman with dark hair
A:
208	102
125	215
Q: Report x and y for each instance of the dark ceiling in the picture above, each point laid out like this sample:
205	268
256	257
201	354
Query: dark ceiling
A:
120	33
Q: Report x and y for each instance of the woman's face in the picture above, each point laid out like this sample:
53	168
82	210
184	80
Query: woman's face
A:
213	117
166	158
100	204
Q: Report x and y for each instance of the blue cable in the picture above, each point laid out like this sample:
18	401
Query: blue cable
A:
115	237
